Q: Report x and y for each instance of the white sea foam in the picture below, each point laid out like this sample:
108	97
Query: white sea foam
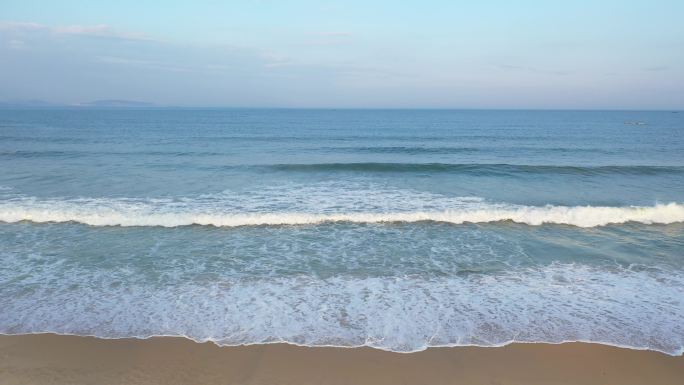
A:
555	303
168	213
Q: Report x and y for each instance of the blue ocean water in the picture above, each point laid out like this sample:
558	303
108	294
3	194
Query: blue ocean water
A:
396	229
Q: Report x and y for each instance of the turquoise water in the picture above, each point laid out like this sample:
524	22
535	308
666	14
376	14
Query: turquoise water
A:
395	229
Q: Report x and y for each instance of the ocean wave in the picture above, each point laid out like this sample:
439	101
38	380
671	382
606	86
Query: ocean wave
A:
445	150
552	304
475	168
87	153
406	150
167	213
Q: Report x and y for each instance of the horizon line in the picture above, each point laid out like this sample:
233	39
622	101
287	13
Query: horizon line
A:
200	107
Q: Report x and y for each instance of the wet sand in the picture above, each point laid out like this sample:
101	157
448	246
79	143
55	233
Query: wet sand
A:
52	359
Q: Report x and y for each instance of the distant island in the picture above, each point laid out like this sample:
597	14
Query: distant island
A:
107	103
116	103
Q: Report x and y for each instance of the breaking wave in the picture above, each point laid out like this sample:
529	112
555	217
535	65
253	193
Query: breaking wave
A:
167	213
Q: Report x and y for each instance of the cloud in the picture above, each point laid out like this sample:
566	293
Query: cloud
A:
19	26
62	66
146	64
656	68
511	67
16	44
98	30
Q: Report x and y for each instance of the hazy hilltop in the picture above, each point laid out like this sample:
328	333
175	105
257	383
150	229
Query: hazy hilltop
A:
107	103
116	103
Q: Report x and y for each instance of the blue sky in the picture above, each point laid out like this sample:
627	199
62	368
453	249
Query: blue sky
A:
441	54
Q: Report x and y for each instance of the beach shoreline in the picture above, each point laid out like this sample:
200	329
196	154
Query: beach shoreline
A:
50	358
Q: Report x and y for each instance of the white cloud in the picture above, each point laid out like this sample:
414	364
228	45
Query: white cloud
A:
148	64
16	44
98	30
19	25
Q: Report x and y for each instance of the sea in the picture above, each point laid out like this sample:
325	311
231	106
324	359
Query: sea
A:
394	229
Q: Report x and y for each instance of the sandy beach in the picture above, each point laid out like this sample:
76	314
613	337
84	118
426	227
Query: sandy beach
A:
53	359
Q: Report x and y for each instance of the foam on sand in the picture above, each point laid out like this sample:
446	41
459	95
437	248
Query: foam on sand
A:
555	303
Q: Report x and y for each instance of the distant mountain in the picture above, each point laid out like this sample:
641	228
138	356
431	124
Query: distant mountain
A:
109	103
116	103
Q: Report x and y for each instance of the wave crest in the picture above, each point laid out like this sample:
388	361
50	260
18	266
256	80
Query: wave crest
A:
102	212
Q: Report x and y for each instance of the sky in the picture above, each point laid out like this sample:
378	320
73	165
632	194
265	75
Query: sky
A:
577	54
